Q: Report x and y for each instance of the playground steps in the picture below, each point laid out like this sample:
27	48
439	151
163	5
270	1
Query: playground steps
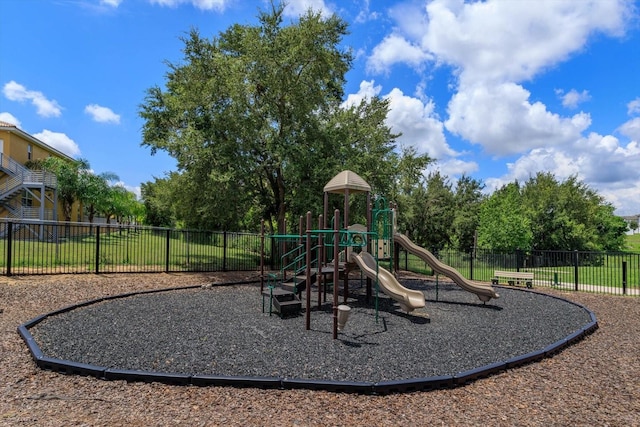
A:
297	284
287	304
285	299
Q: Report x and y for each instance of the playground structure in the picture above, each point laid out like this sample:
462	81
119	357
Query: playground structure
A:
325	255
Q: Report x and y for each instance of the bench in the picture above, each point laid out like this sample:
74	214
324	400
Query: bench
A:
513	277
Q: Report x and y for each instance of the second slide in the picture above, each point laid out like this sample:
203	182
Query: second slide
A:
484	291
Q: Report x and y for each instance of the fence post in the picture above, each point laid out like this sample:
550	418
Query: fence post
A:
97	269
224	251
471	265
9	247
575	269
166	251
624	277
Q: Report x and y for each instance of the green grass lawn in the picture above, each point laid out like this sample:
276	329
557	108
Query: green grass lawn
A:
633	243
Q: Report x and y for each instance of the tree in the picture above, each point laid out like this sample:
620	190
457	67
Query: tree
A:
156	198
546	214
93	191
569	215
68	177
407	188
431	212
439	211
468	200
503	223
247	108
118	203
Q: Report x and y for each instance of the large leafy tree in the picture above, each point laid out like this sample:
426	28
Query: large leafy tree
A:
250	115
431	212
547	214
569	215
503	223
439	211
468	199
156	197
408	188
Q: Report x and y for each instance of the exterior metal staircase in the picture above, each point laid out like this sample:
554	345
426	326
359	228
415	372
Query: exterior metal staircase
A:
15	180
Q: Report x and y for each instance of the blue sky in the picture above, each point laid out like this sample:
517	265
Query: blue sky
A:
498	90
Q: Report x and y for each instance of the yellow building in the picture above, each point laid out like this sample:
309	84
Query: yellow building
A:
25	193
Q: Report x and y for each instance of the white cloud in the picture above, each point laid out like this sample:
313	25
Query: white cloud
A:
367	90
411	19
573	98
9	118
14	91
102	114
296	8
218	5
596	159
626	199
453	167
600	161
418	123
59	141
366	14
416	120
504	122
605	160
633	107
496	41
110	3
631	129
551	160
393	50
493	45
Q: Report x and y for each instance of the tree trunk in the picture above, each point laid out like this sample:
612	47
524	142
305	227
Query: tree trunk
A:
280	200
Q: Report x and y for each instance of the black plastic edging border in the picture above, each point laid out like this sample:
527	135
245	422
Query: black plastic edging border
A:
380	388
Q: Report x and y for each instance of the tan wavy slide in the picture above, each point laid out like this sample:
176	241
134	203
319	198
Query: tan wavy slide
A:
484	291
409	299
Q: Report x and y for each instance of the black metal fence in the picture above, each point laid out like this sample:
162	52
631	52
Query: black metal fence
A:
42	247
37	247
604	272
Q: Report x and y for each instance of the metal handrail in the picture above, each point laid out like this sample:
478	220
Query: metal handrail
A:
15	169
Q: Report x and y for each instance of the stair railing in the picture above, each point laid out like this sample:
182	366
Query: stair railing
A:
298	254
16	169
11	166
10	186
19	178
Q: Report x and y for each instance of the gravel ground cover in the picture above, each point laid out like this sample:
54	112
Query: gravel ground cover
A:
594	382
223	331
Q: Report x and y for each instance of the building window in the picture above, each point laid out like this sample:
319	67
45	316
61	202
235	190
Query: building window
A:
29	152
